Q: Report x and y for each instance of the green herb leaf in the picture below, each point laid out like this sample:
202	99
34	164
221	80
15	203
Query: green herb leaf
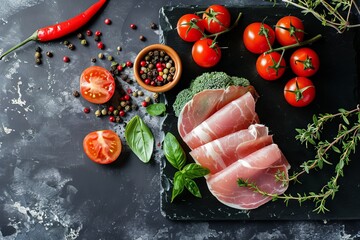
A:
156	109
192	187
139	138
173	151
179	183
194	170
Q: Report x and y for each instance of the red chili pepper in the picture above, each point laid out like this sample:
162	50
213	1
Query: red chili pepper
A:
60	29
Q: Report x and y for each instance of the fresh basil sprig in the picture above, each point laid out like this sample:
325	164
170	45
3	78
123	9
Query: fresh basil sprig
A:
183	178
156	109
139	138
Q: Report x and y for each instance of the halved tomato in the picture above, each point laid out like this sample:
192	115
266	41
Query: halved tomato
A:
97	85
103	146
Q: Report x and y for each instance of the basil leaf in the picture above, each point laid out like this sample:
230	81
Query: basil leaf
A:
174	152
156	109
139	138
179	182
194	170
192	187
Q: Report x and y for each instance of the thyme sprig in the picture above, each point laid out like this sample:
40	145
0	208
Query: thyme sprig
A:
334	13
342	145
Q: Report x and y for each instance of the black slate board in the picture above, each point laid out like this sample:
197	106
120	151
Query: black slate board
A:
336	84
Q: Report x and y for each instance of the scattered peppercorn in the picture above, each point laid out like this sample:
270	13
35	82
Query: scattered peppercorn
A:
93	59
147	99
118	119
116	112
133	26
100	45
38	49
49	54
144	104
129	64
98	113
110	58
142	38
83	42
38	61
71	46
153	26
101	55
120	68
104	112
88	32
86	110
107	21
66	59
80	36
98	33
119	48
97	38
140	93
112	119
66	42
38	55
76	94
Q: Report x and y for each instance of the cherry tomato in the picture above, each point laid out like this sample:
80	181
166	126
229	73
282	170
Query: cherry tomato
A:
270	66
254	37
217	18
206	53
97	85
289	30
190	27
304	62
299	91
102	146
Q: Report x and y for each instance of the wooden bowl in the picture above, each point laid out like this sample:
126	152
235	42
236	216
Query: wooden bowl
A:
177	64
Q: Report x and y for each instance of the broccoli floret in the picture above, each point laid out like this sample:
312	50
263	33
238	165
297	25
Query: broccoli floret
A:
207	80
239	81
212	80
182	98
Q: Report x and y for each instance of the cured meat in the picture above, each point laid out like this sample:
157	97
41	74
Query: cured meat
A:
220	153
206	103
236	115
260	168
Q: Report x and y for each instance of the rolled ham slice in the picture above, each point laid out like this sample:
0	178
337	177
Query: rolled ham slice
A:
220	153
206	103
260	168
234	116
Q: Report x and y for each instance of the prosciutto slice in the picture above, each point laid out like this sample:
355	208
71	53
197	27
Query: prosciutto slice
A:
260	168
206	103
236	115
220	153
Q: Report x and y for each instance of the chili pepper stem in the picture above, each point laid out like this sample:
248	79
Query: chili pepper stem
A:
33	37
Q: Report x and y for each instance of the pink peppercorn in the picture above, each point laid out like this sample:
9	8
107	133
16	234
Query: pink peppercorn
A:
66	59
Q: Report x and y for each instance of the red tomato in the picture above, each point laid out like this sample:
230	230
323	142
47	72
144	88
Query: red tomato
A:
97	85
190	27
304	62
299	92
270	66
217	18
289	30
254	37
206	53
102	146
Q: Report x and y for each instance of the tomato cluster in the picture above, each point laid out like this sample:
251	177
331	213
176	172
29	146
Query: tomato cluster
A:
199	28
259	38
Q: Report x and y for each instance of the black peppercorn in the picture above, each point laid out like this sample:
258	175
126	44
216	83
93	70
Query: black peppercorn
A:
71	46
38	49
49	54
80	36
93	59
76	94
97	38
142	38
153	26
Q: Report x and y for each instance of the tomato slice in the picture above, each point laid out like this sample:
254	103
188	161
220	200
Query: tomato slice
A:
97	85
103	146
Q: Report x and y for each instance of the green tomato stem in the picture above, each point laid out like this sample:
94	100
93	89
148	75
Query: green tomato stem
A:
309	41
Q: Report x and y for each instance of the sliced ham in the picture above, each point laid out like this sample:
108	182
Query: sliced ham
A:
206	103
260	168
220	153
236	115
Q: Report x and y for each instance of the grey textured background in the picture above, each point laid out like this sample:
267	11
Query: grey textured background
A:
48	188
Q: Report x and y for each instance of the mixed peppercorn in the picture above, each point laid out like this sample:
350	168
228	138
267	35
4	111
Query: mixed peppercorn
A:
157	68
